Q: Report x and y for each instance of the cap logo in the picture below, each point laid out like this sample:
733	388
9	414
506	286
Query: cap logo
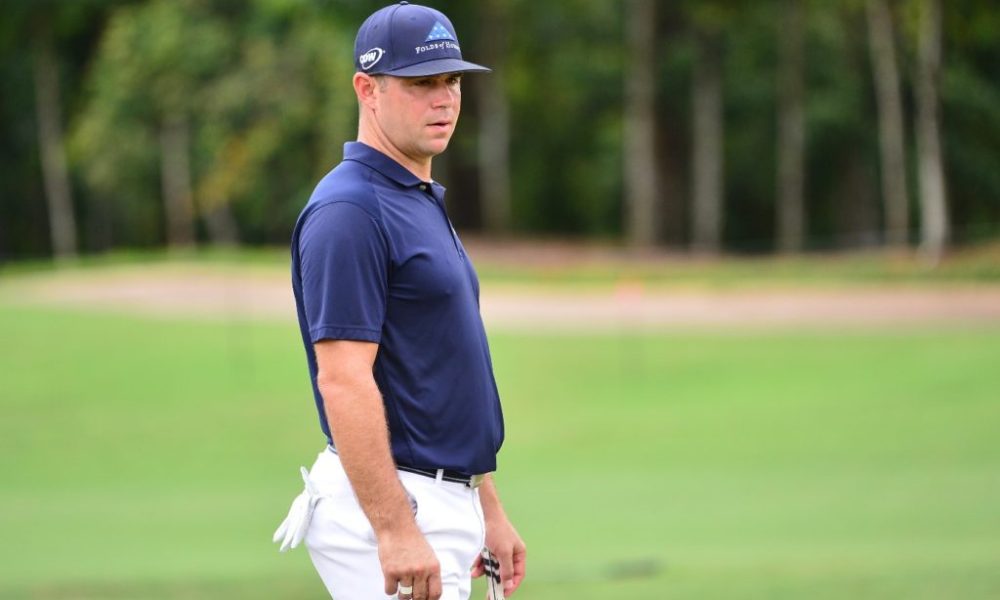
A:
439	32
368	59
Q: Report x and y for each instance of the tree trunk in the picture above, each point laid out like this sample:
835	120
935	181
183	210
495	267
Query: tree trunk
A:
890	122
494	122
707	172
175	175
856	214
221	226
934	228
791	129
62	223
641	202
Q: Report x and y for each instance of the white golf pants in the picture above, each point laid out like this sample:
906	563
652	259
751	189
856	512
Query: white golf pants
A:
342	545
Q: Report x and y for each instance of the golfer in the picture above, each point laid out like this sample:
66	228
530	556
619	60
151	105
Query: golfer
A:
401	501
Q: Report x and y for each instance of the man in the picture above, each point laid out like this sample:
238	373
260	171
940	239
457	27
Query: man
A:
403	500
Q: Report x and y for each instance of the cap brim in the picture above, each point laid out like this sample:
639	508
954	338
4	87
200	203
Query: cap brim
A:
437	67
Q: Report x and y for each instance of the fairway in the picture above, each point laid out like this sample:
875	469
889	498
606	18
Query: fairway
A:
152	457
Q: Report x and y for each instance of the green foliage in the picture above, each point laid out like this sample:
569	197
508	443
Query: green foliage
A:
750	99
565	145
153	63
72	27
971	113
262	87
840	104
265	85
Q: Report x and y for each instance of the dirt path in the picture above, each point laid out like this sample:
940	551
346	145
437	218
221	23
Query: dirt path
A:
208	292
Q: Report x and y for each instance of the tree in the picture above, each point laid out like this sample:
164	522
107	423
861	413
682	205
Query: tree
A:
273	121
58	193
494	120
791	128
147	83
882	47
708	131
237	109
175	177
641	189
934	226
255	99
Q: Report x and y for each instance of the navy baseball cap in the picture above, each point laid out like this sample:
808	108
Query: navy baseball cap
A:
409	40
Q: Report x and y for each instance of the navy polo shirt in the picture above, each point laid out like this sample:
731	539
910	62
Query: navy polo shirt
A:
375	258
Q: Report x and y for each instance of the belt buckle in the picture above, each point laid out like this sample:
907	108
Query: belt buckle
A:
476	480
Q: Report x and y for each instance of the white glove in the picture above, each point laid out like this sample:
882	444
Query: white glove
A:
293	529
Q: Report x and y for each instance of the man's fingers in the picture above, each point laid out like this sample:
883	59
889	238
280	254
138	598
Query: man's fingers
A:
520	566
434	588
477	567
404	589
506	558
410	568
419	589
427	587
391	584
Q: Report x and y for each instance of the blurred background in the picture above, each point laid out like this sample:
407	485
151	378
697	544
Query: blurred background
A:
740	265
711	126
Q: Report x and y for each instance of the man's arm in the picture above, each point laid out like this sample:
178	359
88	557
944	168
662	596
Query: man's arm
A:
501	539
357	421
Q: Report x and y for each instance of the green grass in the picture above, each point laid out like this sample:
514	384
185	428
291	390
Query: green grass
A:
152	458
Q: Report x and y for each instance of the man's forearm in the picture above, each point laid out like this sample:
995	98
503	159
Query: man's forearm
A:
501	539
357	422
490	500
360	433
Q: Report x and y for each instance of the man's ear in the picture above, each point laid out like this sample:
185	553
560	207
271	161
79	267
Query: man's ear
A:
365	87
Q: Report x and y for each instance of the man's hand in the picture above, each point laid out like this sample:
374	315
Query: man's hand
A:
408	561
508	548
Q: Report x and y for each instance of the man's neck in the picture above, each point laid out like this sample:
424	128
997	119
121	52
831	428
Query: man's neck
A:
420	168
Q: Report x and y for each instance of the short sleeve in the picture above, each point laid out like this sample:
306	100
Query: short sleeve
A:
344	262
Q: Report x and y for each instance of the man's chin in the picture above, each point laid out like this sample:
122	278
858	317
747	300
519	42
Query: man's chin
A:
436	147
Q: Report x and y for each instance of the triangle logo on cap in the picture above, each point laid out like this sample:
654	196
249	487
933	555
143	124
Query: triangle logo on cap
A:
439	32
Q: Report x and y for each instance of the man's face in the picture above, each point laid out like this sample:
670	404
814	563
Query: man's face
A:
417	115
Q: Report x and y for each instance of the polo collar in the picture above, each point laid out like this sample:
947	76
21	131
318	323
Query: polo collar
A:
368	156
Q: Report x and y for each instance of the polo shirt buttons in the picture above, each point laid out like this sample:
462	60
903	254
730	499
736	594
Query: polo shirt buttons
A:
423	187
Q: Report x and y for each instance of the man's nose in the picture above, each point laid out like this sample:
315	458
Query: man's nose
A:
445	95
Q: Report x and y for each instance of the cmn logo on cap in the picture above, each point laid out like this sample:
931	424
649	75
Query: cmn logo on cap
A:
439	32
